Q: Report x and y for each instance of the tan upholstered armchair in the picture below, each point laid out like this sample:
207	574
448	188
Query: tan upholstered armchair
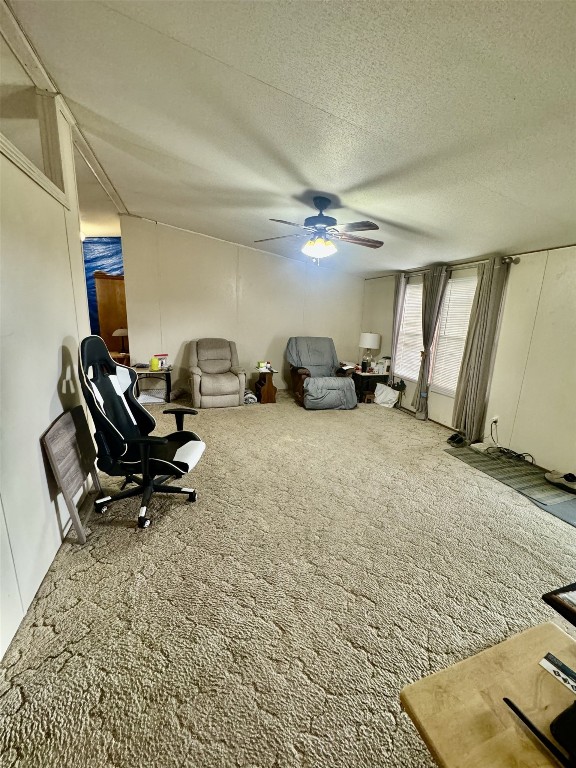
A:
216	379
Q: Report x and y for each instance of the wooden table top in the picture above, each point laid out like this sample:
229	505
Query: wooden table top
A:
360	373
149	370
460	714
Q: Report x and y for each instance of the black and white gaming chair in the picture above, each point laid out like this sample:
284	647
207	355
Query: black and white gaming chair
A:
123	426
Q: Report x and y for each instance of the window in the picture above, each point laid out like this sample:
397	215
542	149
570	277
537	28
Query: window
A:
29	122
407	360
18	107
452	329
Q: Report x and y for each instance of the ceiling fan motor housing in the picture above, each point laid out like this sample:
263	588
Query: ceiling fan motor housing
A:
320	221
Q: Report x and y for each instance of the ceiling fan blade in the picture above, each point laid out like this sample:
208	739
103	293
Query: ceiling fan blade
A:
281	221
359	240
281	237
358	226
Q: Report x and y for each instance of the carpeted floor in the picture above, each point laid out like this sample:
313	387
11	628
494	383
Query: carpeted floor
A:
332	557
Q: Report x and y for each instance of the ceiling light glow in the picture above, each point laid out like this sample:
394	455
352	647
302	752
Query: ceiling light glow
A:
319	247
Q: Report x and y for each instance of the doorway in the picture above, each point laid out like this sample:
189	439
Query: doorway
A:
103	263
111	309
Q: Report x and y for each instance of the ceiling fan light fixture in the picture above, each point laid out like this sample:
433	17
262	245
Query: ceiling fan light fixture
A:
320	229
319	247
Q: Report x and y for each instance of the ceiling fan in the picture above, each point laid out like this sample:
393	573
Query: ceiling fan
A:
321	230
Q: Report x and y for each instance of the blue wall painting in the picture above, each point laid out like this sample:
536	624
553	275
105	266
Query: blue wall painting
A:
101	254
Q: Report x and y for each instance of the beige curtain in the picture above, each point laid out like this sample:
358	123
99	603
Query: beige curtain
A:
435	281
399	292
471	393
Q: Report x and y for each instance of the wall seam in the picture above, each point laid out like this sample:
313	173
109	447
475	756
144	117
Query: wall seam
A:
237	285
71	275
13	561
306	295
158	279
529	350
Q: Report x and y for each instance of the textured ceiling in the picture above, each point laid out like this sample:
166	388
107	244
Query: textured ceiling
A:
452	125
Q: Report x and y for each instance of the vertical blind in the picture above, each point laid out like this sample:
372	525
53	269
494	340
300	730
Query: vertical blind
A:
451	333
407	360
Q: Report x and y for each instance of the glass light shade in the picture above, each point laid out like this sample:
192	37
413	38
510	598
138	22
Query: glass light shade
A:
319	247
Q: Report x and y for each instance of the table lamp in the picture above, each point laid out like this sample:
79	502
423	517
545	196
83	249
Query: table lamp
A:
368	342
122	332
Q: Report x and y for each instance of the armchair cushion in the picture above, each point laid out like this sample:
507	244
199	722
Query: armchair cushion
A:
219	384
329	392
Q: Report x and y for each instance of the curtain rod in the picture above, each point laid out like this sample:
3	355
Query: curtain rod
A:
512	258
462	265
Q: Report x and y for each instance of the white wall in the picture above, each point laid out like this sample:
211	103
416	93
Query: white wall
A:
43	314
377	312
182	286
533	388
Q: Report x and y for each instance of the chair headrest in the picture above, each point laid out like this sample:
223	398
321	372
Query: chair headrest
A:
93	352
311	351
214	349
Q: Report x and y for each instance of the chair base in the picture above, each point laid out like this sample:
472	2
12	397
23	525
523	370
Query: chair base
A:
145	487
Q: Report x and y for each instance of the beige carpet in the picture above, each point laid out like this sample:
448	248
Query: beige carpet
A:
332	558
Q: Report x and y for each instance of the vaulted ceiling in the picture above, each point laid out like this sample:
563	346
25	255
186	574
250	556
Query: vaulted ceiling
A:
450	124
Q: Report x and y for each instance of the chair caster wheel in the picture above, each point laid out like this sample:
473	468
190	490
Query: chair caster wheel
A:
192	496
100	508
144	522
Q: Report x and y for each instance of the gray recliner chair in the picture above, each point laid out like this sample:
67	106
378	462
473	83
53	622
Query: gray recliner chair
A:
318	381
216	379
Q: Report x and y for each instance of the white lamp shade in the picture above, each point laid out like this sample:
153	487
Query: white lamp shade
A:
120	332
369	341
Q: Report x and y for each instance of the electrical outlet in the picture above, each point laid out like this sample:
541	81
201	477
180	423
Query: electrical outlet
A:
494	420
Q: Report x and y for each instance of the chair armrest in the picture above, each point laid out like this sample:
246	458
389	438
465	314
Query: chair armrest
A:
236	369
191	411
147	440
299	376
179	414
195	370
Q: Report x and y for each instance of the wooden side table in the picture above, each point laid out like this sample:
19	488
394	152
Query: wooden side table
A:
265	389
460	714
366	382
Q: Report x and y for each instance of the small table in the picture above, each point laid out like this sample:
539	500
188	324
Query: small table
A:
366	382
162	373
265	389
460	714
